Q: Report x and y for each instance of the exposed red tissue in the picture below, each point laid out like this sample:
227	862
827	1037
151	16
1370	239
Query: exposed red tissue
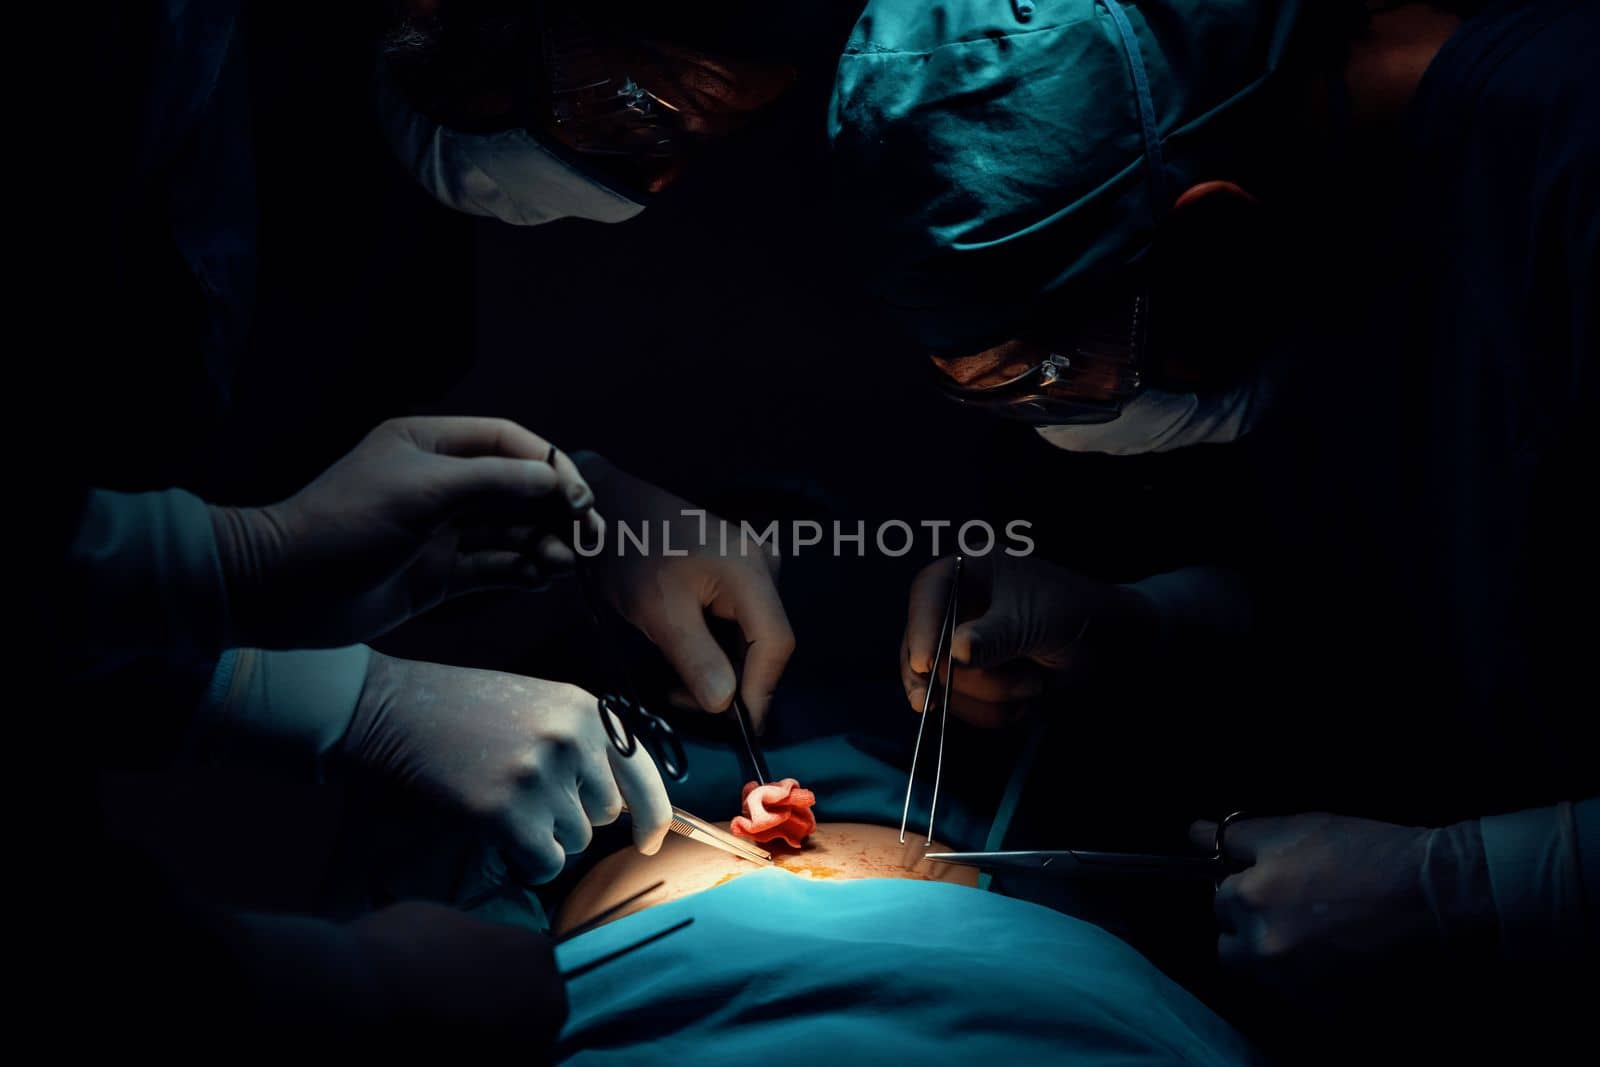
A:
777	809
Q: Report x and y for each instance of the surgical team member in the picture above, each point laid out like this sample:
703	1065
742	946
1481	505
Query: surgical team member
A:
175	241
532	113
1023	157
162	579
277	598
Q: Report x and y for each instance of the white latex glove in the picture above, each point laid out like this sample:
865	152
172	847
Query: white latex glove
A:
423	509
1023	620
667	597
1324	898
527	759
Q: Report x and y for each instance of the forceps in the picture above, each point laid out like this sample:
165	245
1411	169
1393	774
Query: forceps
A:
687	824
941	651
1071	862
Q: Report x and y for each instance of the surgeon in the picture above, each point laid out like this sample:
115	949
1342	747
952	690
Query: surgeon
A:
235	634
1052	184
529	113
264	609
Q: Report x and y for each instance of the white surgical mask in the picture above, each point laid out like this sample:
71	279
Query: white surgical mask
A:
506	175
1156	421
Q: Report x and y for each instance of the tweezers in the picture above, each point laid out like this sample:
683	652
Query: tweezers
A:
941	651
685	824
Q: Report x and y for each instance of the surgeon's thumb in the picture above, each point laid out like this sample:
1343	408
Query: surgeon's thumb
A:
645	795
987	641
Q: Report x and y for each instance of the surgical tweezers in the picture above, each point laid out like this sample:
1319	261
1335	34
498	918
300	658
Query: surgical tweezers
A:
687	824
941	652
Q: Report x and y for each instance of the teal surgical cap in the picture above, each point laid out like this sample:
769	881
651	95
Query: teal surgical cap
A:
993	154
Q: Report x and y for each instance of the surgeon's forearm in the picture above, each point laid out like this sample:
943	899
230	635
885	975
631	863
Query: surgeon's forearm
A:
143	578
1195	602
1526	883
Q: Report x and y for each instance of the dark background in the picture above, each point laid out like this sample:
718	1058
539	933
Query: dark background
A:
719	345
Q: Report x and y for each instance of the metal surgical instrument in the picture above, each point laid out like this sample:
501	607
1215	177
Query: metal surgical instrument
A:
941	652
687	824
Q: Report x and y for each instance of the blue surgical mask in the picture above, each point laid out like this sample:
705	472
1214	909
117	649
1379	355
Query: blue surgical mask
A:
506	175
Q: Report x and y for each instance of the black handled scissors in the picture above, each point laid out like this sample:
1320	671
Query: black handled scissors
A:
630	725
1073	862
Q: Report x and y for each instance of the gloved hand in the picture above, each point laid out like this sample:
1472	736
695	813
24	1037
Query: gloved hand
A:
1025	621
423	509
1324	896
667	596
437	970
527	759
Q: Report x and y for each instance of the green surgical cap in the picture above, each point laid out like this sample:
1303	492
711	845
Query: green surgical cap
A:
994	153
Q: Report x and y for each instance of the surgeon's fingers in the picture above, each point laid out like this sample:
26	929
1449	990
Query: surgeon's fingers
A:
1245	839
916	685
1228	905
469	435
645	794
1242	841
995	637
989	689
486	483
597	788
537	544
675	622
1007	683
475	572
573	486
480	459
925	612
569	821
750	599
532	852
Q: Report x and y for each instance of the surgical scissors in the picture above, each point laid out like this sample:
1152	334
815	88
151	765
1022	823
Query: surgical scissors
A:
1070	862
941	651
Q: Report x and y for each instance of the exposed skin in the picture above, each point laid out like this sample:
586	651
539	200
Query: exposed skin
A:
838	851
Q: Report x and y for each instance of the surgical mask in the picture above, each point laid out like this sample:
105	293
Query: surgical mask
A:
506	175
1159	421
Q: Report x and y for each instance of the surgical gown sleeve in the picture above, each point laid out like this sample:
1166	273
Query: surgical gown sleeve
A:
1544	872
143	578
